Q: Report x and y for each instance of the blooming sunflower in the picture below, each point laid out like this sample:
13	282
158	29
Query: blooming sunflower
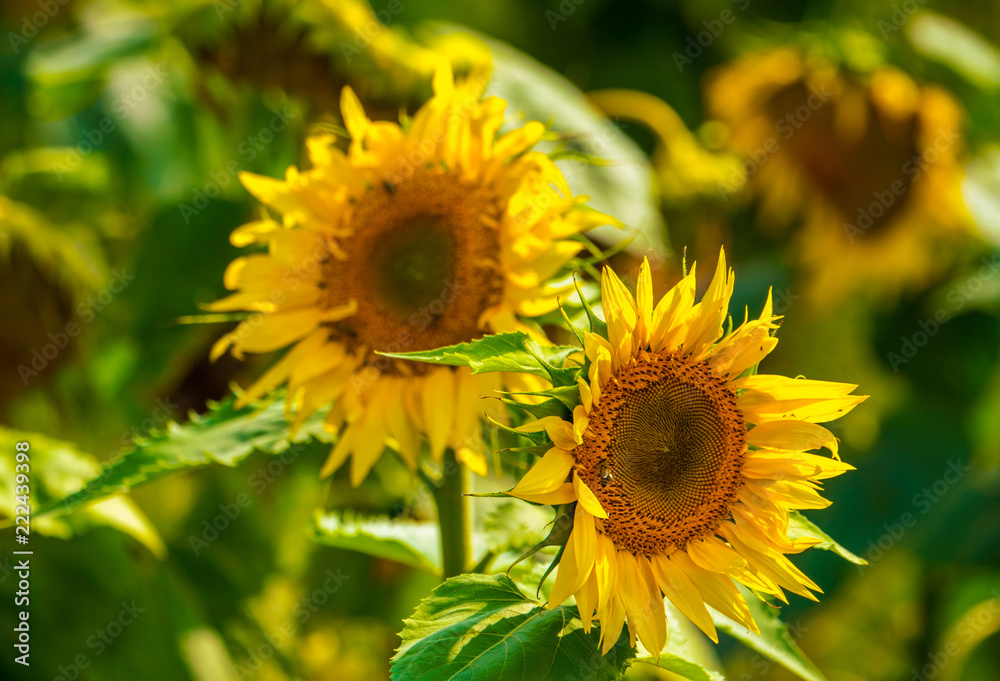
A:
683	465
867	160
421	236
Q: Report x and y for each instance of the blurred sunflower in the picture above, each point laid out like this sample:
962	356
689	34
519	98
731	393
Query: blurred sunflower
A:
421	236
313	48
869	161
674	493
38	256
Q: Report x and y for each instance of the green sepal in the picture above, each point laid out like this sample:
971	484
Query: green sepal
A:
799	526
538	438
597	325
549	407
569	395
562	527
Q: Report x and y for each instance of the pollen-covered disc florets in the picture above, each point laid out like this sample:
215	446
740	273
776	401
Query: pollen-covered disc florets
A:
663	453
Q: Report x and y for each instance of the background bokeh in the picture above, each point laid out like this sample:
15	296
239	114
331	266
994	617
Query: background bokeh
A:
123	126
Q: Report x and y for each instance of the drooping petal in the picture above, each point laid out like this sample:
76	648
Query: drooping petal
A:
676	585
439	409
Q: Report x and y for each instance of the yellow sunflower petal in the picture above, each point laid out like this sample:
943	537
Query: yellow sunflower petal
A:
612	623
587	499
370	440
763	464
712	554
620	314
438	408
643	304
793	436
643	602
563	494
718	591
354	114
559	431
706	324
546	476
672	313
577	560
586	601
683	594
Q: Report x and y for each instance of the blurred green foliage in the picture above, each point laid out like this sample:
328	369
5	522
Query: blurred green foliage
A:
124	125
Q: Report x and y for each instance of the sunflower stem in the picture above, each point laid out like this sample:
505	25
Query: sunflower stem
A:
453	516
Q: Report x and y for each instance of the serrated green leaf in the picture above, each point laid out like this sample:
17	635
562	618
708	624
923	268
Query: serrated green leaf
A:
500	352
799	526
776	641
56	468
410	543
225	435
477	627
560	376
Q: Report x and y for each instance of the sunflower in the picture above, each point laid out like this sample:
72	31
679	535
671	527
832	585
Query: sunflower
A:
421	236
683	464
868	161
312	48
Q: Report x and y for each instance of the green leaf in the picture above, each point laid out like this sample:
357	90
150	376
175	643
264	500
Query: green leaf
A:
678	656
958	47
515	526
684	668
500	352
560	376
56	468
478	627
416	544
776	640
224	435
799	526
71	70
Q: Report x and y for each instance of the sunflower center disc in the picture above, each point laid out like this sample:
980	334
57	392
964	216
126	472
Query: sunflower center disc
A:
847	171
663	453
414	266
422	264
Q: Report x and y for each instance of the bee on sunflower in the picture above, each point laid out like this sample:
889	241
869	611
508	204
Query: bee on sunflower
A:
423	234
683	463
868	161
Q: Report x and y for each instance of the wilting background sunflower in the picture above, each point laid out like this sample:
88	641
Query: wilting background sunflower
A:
845	153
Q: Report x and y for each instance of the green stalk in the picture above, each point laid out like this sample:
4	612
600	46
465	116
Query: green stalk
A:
453	516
